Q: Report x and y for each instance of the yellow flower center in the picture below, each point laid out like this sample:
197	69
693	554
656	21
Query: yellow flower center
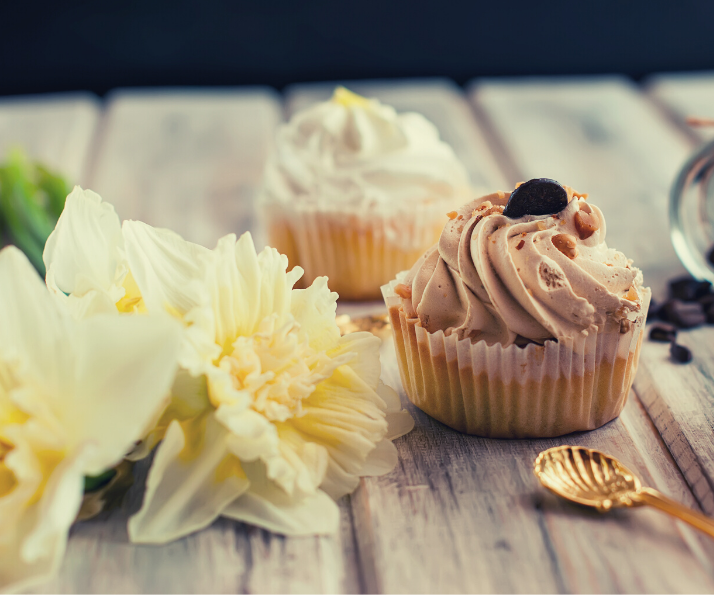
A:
277	368
132	302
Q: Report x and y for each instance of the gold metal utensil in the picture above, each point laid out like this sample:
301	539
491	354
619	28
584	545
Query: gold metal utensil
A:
378	324
595	479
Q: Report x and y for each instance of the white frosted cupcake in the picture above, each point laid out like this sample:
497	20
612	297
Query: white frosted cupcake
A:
355	191
520	323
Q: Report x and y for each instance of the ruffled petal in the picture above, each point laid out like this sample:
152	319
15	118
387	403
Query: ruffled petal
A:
83	251
267	506
167	269
192	479
245	287
314	309
169	272
32	550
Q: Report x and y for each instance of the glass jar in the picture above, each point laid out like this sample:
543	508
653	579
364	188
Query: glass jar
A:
691	214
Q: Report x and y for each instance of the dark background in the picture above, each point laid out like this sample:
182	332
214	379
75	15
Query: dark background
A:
97	45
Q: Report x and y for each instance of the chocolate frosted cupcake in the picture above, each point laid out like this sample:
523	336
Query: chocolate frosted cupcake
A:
520	322
355	191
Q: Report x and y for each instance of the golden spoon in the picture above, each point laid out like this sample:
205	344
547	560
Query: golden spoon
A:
595	479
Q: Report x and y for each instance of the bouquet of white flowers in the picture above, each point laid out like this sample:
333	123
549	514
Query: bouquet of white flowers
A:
258	408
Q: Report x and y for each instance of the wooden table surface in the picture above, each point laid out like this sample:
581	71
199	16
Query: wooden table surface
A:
459	513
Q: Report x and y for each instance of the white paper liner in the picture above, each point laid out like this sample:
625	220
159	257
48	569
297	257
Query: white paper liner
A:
358	251
515	392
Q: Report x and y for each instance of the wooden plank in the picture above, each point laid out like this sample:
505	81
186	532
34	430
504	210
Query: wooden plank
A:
56	129
189	160
683	95
228	557
602	137
679	398
466	514
439	100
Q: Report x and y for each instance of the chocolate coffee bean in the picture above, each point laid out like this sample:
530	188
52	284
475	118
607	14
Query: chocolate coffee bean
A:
653	311
688	289
540	196
664	333
710	314
680	353
683	314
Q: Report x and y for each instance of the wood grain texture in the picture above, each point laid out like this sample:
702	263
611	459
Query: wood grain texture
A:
227	557
460	513
189	160
684	95
605	137
680	398
56	129
439	100
466	514
600	136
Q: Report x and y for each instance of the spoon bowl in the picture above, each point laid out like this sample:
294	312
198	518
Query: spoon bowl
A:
592	478
587	477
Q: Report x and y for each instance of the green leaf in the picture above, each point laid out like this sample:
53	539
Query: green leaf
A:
31	200
94	482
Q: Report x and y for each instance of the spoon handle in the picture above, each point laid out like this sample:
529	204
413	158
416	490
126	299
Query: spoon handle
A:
665	504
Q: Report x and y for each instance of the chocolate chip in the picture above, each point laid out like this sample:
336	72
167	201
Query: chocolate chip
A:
706	301
688	289
540	196
664	333
680	353
653	311
683	314
710	314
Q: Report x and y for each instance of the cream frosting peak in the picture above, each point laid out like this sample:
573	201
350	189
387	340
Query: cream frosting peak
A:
354	151
536	277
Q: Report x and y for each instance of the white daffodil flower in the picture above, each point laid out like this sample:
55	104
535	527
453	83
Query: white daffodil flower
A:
74	398
282	416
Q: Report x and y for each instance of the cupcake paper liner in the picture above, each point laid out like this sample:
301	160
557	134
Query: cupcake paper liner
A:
515	392
358	252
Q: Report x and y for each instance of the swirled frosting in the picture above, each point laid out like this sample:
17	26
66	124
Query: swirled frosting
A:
529	279
353	151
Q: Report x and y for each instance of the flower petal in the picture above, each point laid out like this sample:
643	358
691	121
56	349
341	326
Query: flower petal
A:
39	532
399	420
192	480
83	251
167	269
267	506
314	309
124	367
382	460
246	287
32	326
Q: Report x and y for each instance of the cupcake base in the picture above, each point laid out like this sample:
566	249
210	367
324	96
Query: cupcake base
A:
357	253
515	392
